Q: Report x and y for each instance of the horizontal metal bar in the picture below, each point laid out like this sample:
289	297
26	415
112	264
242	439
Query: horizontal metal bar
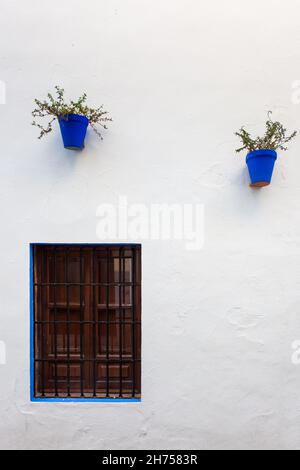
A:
77	361
99	255
87	400
88	322
97	245
99	306
98	381
87	284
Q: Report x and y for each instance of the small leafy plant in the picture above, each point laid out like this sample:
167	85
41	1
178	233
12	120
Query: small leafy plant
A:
275	137
56	107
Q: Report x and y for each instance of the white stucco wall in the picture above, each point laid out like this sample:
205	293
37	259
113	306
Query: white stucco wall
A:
179	77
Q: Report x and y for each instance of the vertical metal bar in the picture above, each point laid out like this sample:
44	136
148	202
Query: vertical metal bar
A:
55	319
82	363
43	319
34	338
68	319
133	318
95	310
107	323
121	276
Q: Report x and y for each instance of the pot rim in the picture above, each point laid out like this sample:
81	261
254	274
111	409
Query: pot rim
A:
262	153
73	117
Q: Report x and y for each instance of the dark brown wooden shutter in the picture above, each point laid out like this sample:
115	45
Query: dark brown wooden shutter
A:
87	321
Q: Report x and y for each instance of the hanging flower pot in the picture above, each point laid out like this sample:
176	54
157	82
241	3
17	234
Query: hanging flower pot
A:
262	151
73	129
73	117
260	165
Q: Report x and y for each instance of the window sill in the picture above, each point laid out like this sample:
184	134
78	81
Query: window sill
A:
86	400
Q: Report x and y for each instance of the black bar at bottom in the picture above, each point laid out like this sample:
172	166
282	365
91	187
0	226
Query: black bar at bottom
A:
128	459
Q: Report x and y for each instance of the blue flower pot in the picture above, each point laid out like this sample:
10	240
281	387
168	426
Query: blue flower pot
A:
73	130
260	165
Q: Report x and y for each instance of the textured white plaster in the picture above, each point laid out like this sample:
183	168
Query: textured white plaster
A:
179	77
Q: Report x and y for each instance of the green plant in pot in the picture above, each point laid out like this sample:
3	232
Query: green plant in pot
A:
73	118
262	151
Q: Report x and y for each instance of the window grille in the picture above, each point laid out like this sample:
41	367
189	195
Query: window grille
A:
87	321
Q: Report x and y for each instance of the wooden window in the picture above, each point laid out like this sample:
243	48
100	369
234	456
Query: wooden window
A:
87	321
